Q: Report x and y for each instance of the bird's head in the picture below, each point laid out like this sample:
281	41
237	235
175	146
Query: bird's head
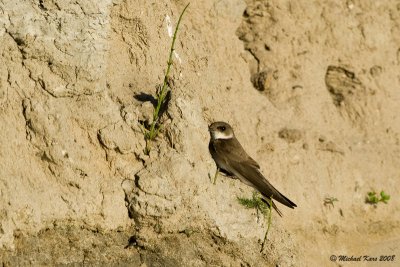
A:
220	130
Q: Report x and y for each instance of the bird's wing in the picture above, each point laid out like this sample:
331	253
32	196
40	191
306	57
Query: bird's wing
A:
253	176
232	150
247	169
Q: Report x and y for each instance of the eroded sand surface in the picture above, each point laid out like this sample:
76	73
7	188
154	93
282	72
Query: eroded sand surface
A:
312	90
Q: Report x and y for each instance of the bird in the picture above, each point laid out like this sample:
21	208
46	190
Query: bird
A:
231	159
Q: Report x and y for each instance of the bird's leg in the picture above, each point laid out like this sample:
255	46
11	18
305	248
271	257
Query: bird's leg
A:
216	175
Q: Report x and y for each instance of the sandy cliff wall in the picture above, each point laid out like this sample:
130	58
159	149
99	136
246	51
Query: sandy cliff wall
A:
311	89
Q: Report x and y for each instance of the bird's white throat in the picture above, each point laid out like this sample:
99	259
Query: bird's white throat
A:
221	135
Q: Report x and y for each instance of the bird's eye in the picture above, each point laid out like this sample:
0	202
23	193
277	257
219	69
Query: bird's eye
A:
222	128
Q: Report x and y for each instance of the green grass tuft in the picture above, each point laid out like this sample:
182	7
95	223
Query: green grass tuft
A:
152	132
257	203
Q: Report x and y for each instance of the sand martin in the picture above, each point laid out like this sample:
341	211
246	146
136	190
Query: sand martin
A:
232	160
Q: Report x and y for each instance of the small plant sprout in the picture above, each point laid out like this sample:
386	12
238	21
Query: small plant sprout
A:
216	175
384	197
329	201
256	202
268	225
162	95
374	198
